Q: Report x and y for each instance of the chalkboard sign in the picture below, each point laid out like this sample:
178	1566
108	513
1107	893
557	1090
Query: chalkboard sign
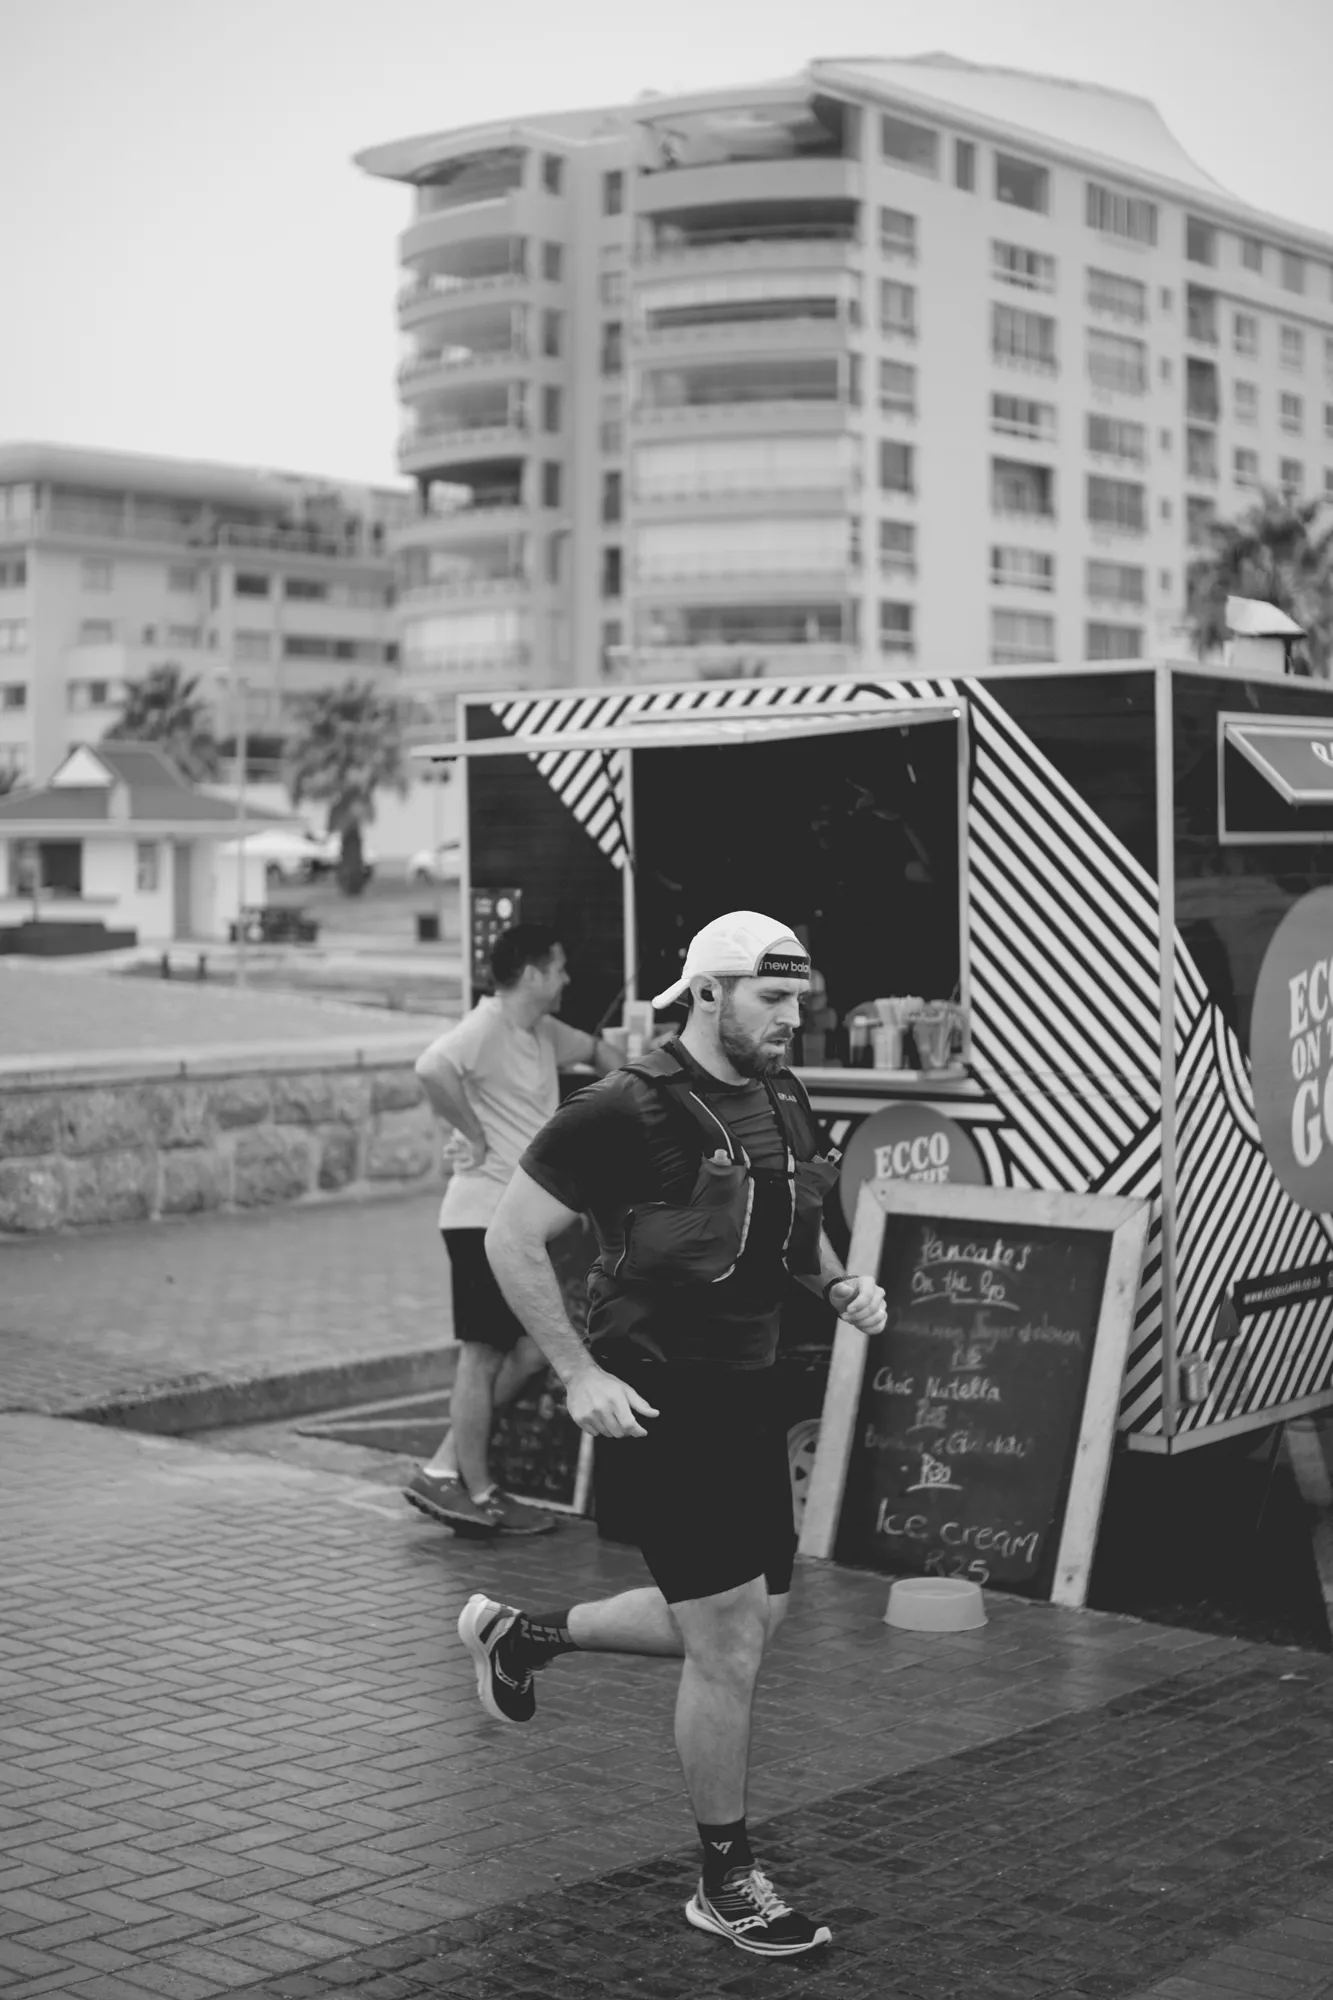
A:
537	1451
493	911
972	1437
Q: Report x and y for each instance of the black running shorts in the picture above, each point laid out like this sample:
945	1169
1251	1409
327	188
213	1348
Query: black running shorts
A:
481	1312
707	1494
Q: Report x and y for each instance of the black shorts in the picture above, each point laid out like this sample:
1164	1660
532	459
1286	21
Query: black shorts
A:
481	1312
707	1494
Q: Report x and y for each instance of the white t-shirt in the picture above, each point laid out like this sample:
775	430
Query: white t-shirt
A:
510	1076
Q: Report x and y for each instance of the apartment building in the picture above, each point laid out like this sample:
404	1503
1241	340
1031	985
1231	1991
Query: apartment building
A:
896	360
264	585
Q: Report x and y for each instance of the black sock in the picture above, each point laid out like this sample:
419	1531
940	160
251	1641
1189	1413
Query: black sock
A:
725	1847
544	1635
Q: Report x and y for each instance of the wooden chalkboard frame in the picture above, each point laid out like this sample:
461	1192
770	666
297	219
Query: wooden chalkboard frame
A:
1124	1220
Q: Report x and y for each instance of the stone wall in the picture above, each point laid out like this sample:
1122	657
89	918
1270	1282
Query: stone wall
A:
129	1148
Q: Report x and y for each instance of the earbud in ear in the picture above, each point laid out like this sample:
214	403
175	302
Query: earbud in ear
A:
707	993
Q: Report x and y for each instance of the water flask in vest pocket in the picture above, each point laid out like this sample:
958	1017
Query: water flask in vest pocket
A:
697	1243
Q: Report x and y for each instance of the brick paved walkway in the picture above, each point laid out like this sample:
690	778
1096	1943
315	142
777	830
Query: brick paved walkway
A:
116	1313
240	1751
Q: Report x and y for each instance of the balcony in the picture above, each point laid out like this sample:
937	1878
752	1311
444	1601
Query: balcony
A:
728	183
427	371
433	447
744	498
781	249
471	589
645	665
812	333
738	419
435	291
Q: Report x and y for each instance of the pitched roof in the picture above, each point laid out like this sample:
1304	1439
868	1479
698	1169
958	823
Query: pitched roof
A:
154	791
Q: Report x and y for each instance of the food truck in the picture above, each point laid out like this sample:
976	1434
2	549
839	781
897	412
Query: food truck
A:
1119	878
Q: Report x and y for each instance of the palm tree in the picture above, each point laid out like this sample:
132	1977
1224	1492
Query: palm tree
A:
1275	554
165	707
346	744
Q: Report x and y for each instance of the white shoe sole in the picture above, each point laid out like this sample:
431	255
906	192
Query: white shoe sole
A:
469	1631
702	1921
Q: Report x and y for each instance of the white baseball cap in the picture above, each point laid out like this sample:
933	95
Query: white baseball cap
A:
744	945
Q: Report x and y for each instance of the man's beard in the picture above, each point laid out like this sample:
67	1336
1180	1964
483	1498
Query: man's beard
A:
747	1053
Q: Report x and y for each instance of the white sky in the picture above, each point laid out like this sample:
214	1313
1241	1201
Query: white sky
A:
190	264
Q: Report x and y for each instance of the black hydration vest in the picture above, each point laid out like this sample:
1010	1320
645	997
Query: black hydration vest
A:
701	1241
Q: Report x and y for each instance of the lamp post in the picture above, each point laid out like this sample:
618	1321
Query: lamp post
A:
239	696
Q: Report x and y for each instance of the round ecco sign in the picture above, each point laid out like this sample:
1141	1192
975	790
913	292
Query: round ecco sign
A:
1291	1051
907	1142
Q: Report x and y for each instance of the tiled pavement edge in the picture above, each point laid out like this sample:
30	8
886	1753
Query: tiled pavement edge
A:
211	1309
242	1750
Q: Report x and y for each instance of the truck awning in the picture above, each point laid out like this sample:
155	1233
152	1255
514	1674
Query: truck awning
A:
667	731
1294	753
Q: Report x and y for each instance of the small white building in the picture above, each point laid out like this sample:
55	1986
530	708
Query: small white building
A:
119	841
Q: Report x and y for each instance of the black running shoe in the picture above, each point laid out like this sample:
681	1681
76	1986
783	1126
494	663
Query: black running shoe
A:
748	1910
504	1678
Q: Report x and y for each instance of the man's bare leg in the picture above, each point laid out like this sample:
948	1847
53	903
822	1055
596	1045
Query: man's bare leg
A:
508	1373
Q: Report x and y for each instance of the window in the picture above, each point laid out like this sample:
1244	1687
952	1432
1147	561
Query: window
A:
1199	518
1112	642
613	192
550	485
913	146
1200	241
146	853
613	641
185	580
897	548
1328	483
1123	298
611	288
1251	253
1247	402
897	628
13	635
551	333
251	586
1291	271
1114	437
254	645
550	407
81	695
1164	369
1328	420
612	572
1016	416
1021	183
1120	214
1030	270
610	429
1117	363
1024	569
555	557
897	233
1203	396
13	694
1017	637
1019	488
1291	411
55	866
13	573
612	496
1328	355
1291	475
96	632
1201	454
897	472
613	347
1291	347
1245	333
897	308
304	589
553	261
95	575
1201	314
1116	503
1245	467
1115	583
897	388
964	165
184	635
1164	440
1165	298
1023	339
553	173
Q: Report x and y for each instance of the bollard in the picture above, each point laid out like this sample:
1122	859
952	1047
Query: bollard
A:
164	967
201	969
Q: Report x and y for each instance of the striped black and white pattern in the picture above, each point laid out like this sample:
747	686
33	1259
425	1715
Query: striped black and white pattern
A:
1064	928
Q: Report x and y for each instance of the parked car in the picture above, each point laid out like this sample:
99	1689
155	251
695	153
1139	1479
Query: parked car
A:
435	864
327	853
289	853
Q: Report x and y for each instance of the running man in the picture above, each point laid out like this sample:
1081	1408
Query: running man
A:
493	1078
702	1170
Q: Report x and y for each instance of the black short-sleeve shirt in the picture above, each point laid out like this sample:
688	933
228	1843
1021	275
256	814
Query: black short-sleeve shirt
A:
621	1142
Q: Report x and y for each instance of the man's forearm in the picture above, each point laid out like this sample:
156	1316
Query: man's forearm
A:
448	1102
524	1274
830	1267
